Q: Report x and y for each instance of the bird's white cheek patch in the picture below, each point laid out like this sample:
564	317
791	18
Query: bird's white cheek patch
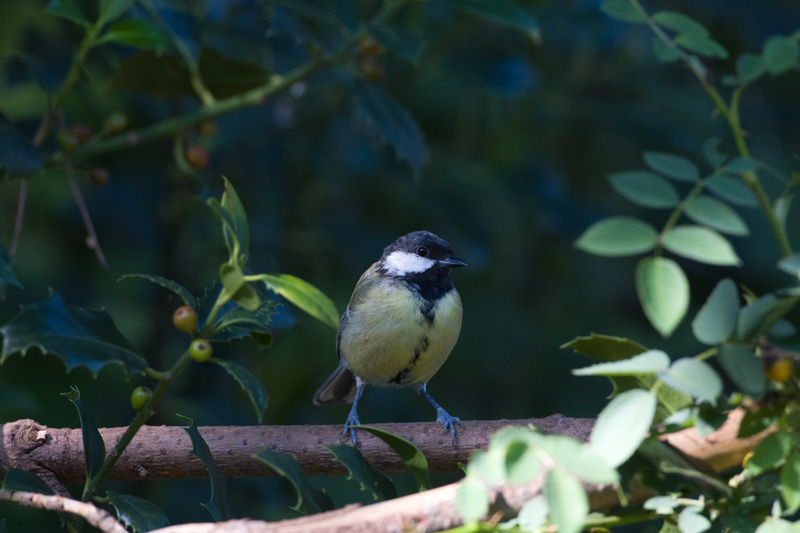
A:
403	263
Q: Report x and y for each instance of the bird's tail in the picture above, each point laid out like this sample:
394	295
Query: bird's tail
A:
339	387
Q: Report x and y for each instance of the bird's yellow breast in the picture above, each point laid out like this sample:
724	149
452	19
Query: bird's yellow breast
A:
387	338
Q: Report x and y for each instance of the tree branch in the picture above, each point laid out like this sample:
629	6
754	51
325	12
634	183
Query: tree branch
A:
99	518
158	452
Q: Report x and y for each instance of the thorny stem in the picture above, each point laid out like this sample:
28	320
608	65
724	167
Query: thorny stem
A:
731	116
91	240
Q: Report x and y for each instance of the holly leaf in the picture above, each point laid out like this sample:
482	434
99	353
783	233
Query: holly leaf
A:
249	384
370	479
94	448
182	292
81	337
220	504
392	122
137	513
310	500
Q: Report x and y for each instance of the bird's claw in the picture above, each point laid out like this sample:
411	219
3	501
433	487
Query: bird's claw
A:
448	422
352	420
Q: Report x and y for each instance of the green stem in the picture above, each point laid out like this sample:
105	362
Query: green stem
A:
731	116
138	421
711	352
252	97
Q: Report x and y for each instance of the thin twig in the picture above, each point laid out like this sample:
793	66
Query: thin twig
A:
97	517
91	240
23	195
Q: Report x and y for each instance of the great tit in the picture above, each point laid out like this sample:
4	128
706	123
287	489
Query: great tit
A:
400	326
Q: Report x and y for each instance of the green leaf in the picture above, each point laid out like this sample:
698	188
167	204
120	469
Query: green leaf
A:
392	122
567	501
236	289
757	318
649	362
780	54
239	227
304	295
136	513
776	525
665	53
672	165
693	377
24	481
715	214
645	188
7	276
702	45
605	347
623	10
402	44
791	265
94	449
249	384
744	368
18	157
634	410
664	505
691	521
370	479
618	236
69	10
663	292
136	33
750	67
790	482
521	461
504	12
220	504
741	165
581	460
79	336
533	514
679	23
732	189
716	320
411	456
112	9
310	500
669	461
711	152
769	453
472	500
701	244
183	293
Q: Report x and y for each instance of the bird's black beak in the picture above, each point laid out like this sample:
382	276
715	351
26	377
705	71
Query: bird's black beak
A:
452	262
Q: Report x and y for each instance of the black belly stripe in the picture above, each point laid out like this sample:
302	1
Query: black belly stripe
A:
418	351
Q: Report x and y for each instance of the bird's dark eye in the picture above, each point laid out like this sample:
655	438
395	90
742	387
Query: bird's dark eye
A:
422	251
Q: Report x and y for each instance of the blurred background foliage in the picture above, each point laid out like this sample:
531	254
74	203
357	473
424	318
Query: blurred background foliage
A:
520	138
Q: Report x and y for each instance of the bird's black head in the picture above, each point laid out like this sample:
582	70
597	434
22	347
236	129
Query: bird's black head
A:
420	253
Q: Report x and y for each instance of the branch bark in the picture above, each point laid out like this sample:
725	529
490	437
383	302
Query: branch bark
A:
159	452
99	518
430	511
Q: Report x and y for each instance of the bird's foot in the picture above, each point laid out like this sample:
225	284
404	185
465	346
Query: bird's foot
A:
352	420
448	422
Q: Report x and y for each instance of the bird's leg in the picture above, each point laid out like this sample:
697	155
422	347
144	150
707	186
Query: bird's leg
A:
352	418
442	416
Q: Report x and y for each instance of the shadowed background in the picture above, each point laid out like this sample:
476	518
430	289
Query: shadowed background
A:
520	137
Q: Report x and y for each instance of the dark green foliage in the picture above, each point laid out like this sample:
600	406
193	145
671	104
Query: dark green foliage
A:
221	503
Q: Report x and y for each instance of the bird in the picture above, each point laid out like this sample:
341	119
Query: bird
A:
402	322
